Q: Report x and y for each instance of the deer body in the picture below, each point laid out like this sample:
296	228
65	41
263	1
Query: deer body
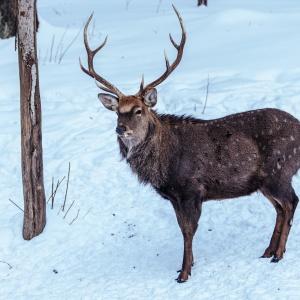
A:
189	161
227	157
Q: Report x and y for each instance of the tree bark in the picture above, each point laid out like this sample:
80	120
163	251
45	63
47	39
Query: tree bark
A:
31	131
8	18
200	2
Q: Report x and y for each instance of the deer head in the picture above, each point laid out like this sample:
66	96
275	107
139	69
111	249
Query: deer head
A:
134	111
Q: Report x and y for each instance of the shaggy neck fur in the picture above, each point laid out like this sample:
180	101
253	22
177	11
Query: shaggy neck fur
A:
150	159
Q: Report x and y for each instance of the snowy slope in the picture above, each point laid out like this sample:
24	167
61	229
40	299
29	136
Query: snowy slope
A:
125	243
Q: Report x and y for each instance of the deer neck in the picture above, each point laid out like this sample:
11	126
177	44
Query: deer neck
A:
149	159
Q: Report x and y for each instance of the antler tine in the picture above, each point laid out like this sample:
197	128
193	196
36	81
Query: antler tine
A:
105	85
173	42
167	60
102	87
141	86
85	33
86	43
172	67
183	37
180	22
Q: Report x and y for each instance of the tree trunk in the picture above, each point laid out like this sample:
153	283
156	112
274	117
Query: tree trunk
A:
31	131
200	2
8	18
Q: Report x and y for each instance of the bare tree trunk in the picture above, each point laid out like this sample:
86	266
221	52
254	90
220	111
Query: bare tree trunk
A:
8	18
31	132
200	2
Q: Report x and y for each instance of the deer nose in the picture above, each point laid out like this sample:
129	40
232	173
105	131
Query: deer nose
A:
120	129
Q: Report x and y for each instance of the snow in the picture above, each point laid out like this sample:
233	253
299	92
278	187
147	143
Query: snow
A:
125	242
32	94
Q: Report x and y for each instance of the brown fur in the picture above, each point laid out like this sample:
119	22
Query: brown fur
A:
189	161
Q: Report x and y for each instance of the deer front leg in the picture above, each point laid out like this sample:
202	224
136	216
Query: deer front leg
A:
187	261
188	213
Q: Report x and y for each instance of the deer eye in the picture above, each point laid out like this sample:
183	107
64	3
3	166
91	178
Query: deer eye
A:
138	111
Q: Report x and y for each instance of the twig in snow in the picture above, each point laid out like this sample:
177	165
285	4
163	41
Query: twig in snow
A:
64	51
4	262
68	209
25	216
207	89
60	44
16	205
52	193
52	196
68	179
75	217
87	213
51	48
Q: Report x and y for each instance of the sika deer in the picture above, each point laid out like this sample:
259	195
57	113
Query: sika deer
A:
189	161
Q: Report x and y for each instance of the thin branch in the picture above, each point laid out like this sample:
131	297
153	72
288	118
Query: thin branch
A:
52	193
25	216
60	45
51	48
68	209
66	194
87	212
63	52
16	205
206	97
56	188
75	217
4	262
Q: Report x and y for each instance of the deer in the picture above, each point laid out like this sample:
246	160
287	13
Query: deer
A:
189	161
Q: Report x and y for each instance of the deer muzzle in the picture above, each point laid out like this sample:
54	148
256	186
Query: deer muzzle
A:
120	130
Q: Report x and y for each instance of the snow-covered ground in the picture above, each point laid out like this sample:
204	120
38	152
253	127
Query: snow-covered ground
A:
125	243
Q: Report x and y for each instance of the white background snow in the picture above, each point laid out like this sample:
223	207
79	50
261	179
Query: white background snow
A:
125	243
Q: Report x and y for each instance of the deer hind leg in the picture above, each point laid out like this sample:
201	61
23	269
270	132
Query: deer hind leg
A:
187	213
285	197
295	203
289	208
271	249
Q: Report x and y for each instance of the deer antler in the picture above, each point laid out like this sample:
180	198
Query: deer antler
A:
172	67
100	81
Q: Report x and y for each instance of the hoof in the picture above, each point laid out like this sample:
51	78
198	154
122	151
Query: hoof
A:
268	253
275	259
183	277
179	280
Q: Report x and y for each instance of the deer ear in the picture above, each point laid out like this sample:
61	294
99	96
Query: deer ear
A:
109	101
150	98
